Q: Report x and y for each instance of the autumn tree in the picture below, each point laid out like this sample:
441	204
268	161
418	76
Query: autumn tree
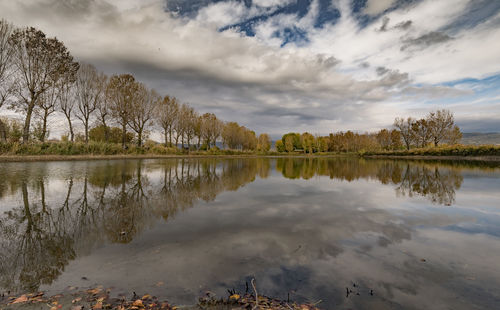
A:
123	91
421	131
90	91
166	116
404	126
142	110
384	139
264	143
211	128
442	126
39	63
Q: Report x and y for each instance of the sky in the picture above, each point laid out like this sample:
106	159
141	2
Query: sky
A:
292	65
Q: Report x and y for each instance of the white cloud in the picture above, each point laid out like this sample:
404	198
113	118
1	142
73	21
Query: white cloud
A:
375	7
314	86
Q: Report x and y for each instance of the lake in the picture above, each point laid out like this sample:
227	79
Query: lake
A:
344	232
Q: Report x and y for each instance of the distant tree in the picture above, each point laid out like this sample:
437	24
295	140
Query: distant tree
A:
166	116
395	139
454	136
90	91
30	47
384	139
289	143
421	131
441	124
264	144
307	141
122	91
280	147
142	110
211	128
404	126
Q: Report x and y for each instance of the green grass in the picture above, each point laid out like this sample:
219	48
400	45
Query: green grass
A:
448	150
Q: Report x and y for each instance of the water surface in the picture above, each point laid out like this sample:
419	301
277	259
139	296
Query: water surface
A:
416	235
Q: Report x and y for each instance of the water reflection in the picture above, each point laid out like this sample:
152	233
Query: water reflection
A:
54	213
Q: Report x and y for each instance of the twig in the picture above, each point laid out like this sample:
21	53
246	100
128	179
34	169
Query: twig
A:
256	295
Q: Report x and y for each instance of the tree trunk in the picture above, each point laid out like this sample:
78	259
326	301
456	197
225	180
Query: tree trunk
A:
124	135
44	127
86	130
139	138
27	122
71	133
166	136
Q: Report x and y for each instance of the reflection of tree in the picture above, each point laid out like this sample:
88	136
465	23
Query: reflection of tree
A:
436	182
106	200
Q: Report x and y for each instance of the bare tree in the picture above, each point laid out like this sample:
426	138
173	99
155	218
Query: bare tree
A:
47	106
122	93
143	109
421	132
6	70
167	113
104	111
90	86
405	129
39	63
441	124
66	95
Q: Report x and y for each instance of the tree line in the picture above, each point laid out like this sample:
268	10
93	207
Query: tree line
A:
436	128
39	77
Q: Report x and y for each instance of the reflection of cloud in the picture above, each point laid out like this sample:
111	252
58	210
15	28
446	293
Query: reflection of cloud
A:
308	237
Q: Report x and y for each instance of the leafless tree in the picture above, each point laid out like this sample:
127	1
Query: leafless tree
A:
67	96
167	114
6	69
39	63
143	109
405	128
90	87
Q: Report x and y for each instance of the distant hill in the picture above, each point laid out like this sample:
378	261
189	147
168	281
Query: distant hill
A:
476	138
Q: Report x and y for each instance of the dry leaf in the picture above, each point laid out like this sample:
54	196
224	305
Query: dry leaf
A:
138	303
147	296
234	296
22	298
76	300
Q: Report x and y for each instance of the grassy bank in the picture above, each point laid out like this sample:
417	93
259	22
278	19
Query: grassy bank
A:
441	151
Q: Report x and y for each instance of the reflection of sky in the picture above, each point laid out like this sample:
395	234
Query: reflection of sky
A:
313	238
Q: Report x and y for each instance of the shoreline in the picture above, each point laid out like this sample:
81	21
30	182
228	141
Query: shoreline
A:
45	158
491	158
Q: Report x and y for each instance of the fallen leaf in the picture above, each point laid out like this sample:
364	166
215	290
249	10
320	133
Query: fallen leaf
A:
53	308
138	303
22	298
147	296
76	300
98	305
234	296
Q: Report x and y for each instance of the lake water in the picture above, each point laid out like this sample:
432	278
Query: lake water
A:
395	234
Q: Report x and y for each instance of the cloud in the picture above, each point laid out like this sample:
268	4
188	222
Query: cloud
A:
375	7
425	40
342	75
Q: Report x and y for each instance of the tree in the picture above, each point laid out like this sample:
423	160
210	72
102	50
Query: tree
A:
280	147
421	131
454	136
211	128
264	144
384	139
143	109
307	141
66	95
122	91
39	63
441	125
90	88
47	104
232	135
395	139
167	112
404	126
289	143
6	69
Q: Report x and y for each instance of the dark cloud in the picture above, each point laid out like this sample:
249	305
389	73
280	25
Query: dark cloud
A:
425	40
404	25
